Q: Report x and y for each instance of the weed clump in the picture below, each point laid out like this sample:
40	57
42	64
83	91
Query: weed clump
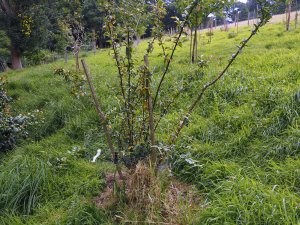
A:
149	197
232	35
24	183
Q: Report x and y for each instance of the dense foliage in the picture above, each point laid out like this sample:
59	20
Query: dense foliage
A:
35	26
26	24
11	127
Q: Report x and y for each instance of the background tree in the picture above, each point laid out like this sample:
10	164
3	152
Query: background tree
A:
27	25
72	22
296	14
199	16
4	53
171	12
288	13
93	19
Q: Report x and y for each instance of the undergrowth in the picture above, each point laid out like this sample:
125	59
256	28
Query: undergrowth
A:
241	148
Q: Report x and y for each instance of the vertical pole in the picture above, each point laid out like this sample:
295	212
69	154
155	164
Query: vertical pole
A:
237	22
103	118
150	111
94	41
249	18
211	31
195	40
66	56
257	10
288	21
296	15
191	44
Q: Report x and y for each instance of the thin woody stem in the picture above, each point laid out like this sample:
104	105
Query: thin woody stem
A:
129	107
173	51
121	75
210	84
116	56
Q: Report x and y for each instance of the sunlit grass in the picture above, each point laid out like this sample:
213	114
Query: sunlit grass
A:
245	134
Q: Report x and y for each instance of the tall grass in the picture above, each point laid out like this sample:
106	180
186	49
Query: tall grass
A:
25	182
241	148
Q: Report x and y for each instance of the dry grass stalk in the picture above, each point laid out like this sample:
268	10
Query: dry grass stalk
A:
150	198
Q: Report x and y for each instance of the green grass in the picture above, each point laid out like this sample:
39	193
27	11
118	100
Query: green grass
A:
245	135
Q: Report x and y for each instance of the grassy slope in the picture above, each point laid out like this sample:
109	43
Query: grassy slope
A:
245	135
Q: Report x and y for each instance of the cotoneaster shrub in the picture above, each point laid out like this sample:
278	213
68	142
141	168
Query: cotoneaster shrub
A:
12	128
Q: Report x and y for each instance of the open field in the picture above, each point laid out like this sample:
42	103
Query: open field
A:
244	136
280	18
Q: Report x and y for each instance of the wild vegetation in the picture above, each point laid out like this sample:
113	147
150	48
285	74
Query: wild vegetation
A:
240	149
36	32
187	127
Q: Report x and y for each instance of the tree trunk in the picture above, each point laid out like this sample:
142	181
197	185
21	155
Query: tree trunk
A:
4	5
237	22
296	15
191	43
225	24
249	18
16	56
296	19
194	55
194	47
210	29
94	41
66	56
77	62
76	50
257	12
288	16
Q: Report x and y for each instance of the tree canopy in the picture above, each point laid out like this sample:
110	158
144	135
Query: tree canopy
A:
26	24
32	25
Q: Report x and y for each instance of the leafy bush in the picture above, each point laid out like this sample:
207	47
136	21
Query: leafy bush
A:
37	57
11	127
76	80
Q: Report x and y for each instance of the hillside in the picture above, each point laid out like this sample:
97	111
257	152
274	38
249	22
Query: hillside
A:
244	136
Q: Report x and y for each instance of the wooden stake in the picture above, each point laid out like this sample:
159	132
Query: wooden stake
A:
102	117
150	111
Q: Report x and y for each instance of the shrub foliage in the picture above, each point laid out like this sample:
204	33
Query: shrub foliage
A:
11	127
